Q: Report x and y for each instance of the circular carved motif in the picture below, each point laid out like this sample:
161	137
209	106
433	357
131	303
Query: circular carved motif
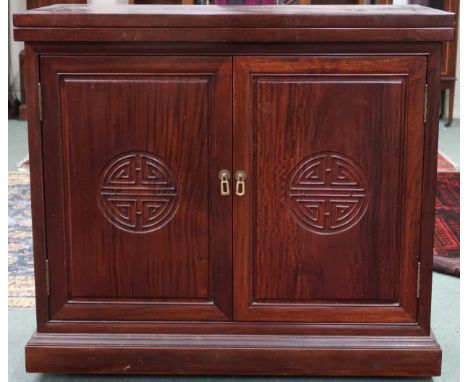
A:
328	193
138	192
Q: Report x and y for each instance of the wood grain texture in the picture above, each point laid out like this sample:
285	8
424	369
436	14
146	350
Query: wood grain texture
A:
233	34
429	50
127	106
238	16
36	170
429	187
289	115
239	355
231	327
185	23
233	49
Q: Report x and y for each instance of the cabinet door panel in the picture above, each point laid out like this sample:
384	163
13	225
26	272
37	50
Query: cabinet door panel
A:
328	230
132	148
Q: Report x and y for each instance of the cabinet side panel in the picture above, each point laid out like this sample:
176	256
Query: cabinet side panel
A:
37	186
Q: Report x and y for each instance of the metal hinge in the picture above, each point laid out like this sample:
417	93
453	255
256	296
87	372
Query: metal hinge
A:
47	276
39	95
425	102
418	282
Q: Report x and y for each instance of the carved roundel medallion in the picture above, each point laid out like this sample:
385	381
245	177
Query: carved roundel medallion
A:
328	193
138	192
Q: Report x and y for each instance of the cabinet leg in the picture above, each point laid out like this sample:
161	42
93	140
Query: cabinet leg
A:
442	104
451	102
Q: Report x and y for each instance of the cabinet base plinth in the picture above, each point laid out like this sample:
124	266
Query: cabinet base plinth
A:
233	354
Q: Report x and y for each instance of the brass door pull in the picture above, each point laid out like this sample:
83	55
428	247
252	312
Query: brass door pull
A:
240	182
224	176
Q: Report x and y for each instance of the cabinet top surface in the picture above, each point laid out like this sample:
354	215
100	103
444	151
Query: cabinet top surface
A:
238	16
240	23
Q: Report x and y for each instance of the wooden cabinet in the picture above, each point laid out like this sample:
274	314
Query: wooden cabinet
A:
235	190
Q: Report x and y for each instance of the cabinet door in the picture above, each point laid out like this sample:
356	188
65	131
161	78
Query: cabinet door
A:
132	147
329	227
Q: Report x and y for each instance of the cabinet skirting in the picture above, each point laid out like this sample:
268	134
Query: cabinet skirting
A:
233	354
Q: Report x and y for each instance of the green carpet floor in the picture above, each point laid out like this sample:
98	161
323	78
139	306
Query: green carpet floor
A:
445	324
17	143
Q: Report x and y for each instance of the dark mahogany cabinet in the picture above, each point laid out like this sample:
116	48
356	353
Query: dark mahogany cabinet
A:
233	190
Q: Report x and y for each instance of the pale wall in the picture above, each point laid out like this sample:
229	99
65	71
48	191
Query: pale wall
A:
15	47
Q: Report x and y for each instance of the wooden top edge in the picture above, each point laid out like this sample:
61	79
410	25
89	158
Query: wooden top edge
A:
234	16
233	35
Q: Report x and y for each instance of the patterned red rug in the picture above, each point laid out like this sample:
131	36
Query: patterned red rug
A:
447	221
444	165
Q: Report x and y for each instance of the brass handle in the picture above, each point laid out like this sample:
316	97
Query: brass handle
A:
240	182
224	176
